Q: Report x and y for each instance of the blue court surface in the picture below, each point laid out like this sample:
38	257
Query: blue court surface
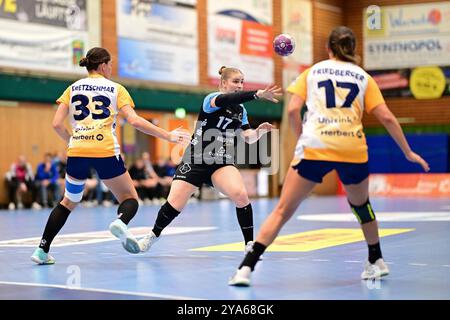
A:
319	254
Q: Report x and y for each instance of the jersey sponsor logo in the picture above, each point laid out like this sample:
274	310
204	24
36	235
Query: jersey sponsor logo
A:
225	140
337	120
337	133
359	134
99	137
185	168
82	128
83	137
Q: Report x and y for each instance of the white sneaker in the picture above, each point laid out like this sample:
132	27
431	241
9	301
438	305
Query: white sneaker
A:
107	203
87	204
20	206
241	278
120	231
11	206
146	242
36	206
375	271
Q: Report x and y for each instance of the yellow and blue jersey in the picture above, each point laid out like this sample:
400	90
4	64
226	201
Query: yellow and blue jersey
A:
94	103
336	94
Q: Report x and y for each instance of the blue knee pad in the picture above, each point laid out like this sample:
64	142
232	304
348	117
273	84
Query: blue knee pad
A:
364	213
74	189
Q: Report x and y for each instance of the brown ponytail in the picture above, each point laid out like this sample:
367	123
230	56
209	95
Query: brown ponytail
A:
84	62
342	43
95	57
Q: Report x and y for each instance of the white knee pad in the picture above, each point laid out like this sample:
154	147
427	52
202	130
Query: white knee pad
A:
74	189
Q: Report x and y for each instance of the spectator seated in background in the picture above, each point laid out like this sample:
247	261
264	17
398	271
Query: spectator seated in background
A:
144	180
104	195
46	180
165	171
60	161
159	190
90	189
19	180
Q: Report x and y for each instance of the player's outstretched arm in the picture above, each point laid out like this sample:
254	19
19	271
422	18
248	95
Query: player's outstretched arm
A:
225	99
388	120
177	136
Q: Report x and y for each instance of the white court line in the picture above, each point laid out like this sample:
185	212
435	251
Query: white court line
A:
96	237
320	260
446	265
353	261
418	264
291	259
79	252
132	293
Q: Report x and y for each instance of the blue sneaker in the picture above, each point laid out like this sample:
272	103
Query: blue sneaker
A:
120	231
40	257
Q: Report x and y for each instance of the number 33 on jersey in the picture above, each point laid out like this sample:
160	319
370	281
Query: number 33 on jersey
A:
93	106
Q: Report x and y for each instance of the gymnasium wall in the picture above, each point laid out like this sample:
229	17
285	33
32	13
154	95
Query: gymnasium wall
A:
326	15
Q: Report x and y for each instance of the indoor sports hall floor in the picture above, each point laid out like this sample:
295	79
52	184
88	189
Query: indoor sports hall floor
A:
318	255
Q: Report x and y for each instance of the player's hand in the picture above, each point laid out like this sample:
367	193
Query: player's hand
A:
179	136
414	157
265	127
270	93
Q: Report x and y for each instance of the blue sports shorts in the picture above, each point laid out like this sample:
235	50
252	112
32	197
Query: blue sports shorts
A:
107	168
349	173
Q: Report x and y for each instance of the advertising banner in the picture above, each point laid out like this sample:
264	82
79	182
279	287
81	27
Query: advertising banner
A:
410	184
44	35
240	35
157	40
406	36
407	49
